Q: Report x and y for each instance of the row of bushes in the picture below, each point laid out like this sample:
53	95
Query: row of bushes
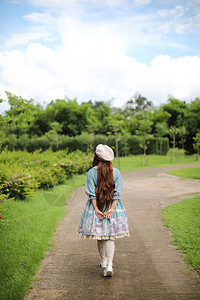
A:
86	143
21	173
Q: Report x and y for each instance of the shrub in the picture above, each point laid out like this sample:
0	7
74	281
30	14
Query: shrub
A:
15	183
21	173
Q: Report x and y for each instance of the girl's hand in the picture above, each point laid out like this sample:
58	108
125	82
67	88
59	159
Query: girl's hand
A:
109	213
99	214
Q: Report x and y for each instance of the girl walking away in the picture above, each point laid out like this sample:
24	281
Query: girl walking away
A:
104	218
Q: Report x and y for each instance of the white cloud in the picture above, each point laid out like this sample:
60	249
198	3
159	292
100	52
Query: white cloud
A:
179	19
140	29
26	38
91	60
40	18
178	77
177	11
91	63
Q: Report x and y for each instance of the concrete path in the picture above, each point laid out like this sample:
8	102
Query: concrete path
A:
147	266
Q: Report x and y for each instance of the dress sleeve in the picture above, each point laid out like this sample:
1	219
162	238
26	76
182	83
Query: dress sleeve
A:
90	186
118	186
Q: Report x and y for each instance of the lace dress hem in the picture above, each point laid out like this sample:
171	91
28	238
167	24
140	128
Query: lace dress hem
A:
103	237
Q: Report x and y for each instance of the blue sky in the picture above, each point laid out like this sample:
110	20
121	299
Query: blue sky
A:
100	49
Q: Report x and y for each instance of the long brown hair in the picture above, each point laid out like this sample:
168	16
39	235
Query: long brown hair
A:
105	184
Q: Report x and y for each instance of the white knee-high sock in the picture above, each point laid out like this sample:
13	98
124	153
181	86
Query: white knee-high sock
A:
110	250
101	244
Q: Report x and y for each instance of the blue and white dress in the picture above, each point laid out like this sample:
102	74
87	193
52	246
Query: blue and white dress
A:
90	225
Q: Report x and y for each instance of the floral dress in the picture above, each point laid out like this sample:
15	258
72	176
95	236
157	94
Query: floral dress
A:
90	225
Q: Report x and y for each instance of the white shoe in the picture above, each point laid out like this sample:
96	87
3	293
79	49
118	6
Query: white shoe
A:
108	272
103	264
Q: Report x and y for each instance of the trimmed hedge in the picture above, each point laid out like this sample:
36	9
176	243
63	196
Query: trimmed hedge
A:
87	143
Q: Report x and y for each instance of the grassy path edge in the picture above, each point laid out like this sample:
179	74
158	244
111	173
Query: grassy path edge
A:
27	234
183	220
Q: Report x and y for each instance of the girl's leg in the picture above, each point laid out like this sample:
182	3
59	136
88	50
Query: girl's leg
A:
101	244
110	250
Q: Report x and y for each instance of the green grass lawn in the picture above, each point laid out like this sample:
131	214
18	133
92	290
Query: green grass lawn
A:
193	172
26	234
134	162
183	219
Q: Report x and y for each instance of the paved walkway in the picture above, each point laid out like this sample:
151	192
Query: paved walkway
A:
147	266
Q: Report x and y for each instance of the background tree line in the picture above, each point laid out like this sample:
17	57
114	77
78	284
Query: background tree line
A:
138	127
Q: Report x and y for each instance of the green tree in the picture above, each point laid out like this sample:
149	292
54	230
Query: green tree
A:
144	134
42	122
135	105
161	131
196	144
56	128
177	110
158	115
116	127
182	133
72	117
23	140
2	132
133	124
173	132
11	140
129	109
140	103
102	112
21	114
192	123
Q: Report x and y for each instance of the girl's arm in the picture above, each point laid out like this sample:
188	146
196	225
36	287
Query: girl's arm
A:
109	213
99	214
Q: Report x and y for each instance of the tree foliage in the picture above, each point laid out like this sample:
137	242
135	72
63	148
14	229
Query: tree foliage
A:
25	121
197	144
161	131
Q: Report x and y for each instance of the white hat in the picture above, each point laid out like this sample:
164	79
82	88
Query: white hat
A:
104	152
